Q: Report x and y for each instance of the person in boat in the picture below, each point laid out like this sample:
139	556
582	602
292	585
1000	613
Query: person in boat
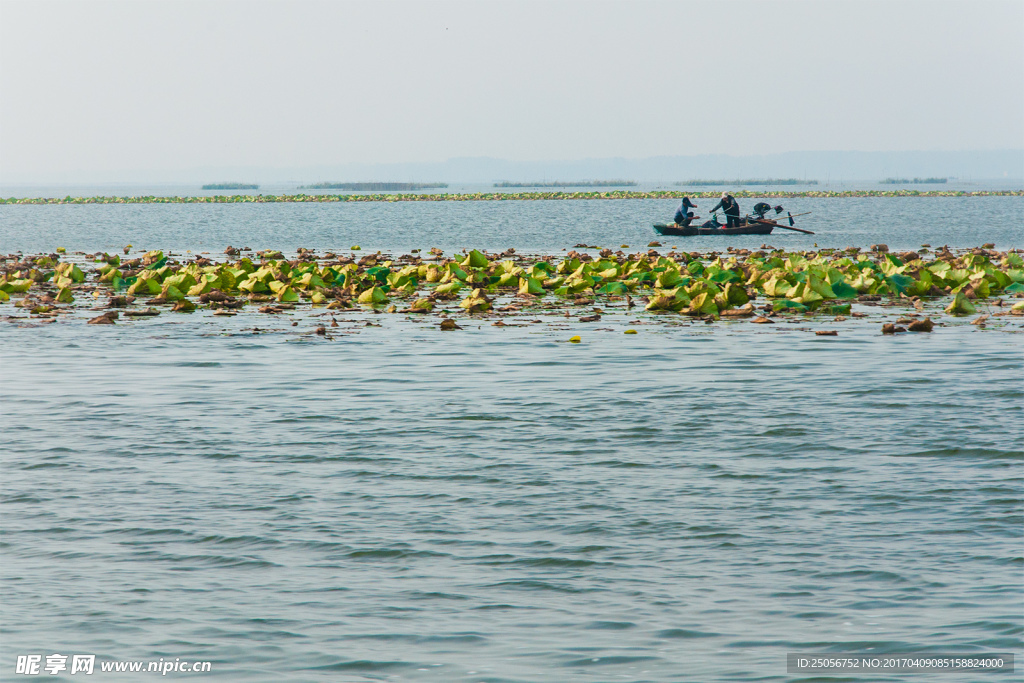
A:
762	208
730	208
683	213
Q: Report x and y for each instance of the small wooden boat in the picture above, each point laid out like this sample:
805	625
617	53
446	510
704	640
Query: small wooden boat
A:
763	227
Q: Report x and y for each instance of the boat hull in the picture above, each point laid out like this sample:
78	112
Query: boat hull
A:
693	230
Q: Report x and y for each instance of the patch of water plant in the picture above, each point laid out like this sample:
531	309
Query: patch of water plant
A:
763	286
500	196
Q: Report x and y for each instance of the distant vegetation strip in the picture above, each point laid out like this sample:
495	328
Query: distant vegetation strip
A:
915	181
374	187
748	181
580	183
231	186
498	196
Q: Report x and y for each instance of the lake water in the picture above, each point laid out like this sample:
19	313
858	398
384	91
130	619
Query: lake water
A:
395	503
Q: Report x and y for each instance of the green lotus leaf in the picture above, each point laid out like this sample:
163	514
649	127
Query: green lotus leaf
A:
735	295
183	281
287	294
318	298
1012	260
108	276
788	305
843	290
960	305
64	296
668	279
373	295
568	266
615	288
553	282
252	285
542	269
508	280
476	301
452	287
531	285
422	305
704	304
1015	288
71	271
171	293
777	287
142	287
835	309
475	259
4	296
16	286
667	302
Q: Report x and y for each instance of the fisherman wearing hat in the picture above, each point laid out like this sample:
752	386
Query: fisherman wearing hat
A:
730	208
683	213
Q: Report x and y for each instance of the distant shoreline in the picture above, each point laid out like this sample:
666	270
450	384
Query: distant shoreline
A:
496	196
748	181
564	183
370	187
231	186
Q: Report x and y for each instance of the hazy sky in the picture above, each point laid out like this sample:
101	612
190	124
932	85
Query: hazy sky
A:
146	84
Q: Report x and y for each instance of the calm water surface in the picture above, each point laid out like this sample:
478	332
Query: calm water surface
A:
397	503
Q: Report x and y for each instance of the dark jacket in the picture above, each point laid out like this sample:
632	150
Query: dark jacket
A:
728	205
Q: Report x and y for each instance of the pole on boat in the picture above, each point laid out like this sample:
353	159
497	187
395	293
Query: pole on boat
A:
779	225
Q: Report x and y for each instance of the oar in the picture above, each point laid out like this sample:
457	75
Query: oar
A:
779	225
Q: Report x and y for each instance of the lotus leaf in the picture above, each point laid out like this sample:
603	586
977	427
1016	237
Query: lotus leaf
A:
835	309
476	301
960	305
820	286
72	271
145	286
553	282
64	296
287	294
804	293
616	288
508	280
957	276
735	295
380	273
1013	261
668	279
252	285
4	296
373	295
452	287
704	304
183	281
422	305
776	287
531	285
317	298
843	291
1015	288
171	293
475	259
788	305
567	266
